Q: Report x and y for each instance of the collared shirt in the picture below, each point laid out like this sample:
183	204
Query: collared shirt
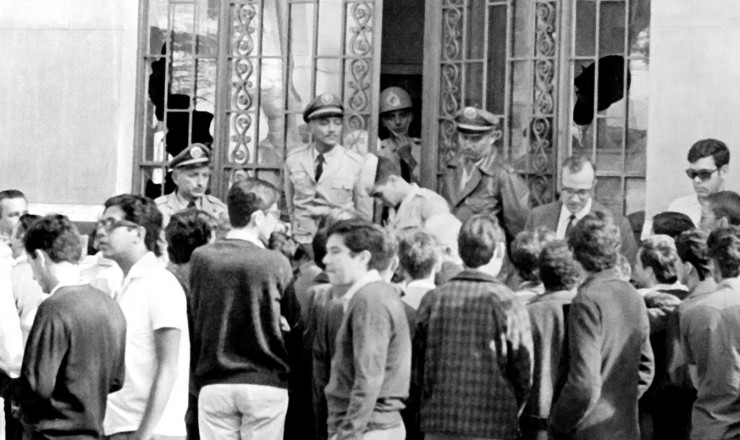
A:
11	337
370	277
688	205
415	291
467	175
329	156
27	294
242	234
565	218
151	299
68	284
709	339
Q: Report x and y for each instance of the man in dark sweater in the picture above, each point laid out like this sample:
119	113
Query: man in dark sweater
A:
244	316
371	367
75	351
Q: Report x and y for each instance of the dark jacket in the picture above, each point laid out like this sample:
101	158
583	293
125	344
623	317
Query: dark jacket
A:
494	188
472	358
548	216
610	362
239	293
73	359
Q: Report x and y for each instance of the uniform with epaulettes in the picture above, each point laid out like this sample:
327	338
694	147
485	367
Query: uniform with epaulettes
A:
339	186
172	203
195	155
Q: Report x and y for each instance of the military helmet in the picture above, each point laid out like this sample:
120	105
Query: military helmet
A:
394	98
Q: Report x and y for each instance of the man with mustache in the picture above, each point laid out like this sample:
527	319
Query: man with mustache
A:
477	182
323	175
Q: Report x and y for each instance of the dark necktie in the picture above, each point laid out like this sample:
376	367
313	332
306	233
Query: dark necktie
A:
191	205
571	222
407	162
319	167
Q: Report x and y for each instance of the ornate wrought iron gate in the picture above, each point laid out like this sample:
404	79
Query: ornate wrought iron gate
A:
238	73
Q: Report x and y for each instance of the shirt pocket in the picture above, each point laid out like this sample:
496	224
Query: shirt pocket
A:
341	191
303	185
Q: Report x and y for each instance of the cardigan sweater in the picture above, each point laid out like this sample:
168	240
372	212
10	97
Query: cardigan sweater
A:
239	294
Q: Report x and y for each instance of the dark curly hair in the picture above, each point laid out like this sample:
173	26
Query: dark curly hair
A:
525	251
671	223
659	253
142	211
692	248
247	197
558	268
418	254
186	231
595	241
724	249
361	235
55	235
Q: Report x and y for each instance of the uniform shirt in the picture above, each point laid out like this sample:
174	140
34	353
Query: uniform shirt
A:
340	186
415	209
472	358
151	299
709	337
172	203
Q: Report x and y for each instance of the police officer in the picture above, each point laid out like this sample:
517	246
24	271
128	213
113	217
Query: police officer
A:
410	206
403	150
191	172
477	182
323	175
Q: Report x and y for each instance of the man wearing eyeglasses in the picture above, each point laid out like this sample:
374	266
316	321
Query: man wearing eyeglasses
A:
577	185
709	161
153	400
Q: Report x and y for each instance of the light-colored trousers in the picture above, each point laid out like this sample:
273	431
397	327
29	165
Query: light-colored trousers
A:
242	412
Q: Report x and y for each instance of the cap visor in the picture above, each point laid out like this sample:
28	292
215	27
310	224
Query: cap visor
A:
325	112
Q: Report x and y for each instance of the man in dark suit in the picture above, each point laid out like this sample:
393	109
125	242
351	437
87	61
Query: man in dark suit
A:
577	184
610	358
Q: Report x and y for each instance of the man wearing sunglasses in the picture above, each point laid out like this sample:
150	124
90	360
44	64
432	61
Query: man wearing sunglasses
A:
709	161
577	185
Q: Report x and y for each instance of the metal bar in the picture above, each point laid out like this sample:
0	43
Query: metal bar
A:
431	93
625	114
485	60
315	49
506	123
284	11
343	37
597	47
193	49
168	54
375	87
141	98
223	98
258	89
464	54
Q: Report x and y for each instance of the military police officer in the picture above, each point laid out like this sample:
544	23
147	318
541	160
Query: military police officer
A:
477	181
323	175
191	171
403	150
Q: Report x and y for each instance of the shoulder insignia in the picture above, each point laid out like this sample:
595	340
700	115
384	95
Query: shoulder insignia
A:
352	155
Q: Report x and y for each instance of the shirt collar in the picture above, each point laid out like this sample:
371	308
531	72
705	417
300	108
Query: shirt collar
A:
142	266
565	214
246	235
423	284
675	286
414	191
366	279
329	155
182	202
729	283
68	284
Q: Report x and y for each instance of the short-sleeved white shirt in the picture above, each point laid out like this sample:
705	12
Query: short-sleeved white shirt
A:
151	299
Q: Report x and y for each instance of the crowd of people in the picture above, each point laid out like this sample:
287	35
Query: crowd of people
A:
371	308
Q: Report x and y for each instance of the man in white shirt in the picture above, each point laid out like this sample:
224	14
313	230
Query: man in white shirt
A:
577	186
153	400
709	161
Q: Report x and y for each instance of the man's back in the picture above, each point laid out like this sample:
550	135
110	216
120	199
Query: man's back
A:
239	292
74	358
610	361
710	332
474	357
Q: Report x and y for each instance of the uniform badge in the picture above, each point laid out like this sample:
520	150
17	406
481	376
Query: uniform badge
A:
197	152
393	100
327	99
470	113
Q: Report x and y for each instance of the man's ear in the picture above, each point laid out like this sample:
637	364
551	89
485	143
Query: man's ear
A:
41	256
257	217
724	170
500	251
365	256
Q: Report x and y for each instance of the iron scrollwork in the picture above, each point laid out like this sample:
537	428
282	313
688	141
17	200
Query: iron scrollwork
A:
242	99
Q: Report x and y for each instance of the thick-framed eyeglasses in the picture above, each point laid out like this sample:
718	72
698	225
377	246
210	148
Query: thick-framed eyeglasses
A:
703	175
109	224
570	192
